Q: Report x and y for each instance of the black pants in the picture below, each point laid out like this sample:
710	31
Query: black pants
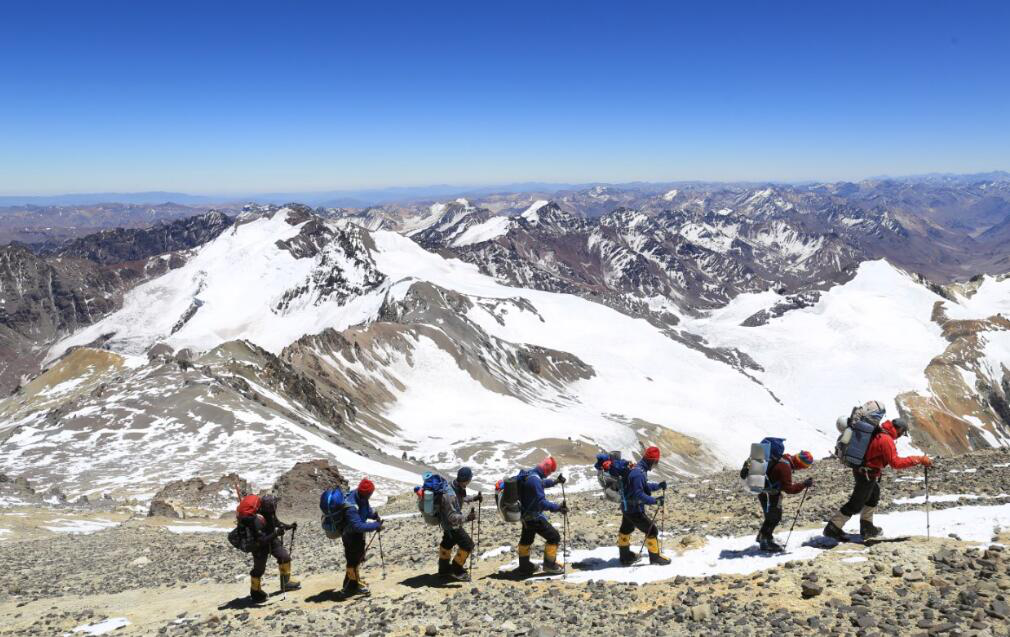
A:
866	492
456	537
262	553
354	548
771	505
539	526
632	521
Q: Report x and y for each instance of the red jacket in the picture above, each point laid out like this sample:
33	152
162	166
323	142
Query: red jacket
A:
882	453
782	475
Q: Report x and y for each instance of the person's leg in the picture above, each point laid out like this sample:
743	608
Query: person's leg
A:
284	565
773	515
445	553
627	556
861	491
256	574
354	551
651	531
552	539
523	550
866	527
465	544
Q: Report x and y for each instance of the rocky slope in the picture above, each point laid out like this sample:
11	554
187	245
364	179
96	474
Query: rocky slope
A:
181	578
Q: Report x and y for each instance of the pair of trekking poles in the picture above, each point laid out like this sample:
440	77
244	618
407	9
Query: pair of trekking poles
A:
382	557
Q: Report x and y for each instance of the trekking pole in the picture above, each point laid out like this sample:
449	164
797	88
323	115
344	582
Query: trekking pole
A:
925	471
564	528
382	558
802	500
479	502
291	550
662	522
475	549
652	523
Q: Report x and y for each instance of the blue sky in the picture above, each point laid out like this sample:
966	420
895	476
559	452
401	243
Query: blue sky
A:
252	97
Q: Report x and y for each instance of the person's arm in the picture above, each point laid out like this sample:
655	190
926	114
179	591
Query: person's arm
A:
782	474
637	487
450	514
358	525
538	491
549	482
892	458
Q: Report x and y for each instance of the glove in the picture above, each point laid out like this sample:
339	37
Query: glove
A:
378	518
480	497
662	485
380	523
661	500
809	482
291	527
562	479
471	516
563	510
925	461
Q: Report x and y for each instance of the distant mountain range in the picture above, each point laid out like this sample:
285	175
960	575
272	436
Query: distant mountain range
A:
484	329
352	198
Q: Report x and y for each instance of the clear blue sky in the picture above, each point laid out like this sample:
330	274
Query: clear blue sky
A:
196	97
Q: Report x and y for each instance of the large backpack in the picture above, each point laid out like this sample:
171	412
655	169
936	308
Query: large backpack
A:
856	433
429	497
506	497
763	456
333	503
241	538
610	472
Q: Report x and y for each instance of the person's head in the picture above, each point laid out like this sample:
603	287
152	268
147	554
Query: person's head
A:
464	476
366	488
548	466
900	427
268	504
802	460
651	457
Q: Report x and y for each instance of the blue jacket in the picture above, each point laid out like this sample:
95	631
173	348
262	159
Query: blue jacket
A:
359	512
637	490
531	494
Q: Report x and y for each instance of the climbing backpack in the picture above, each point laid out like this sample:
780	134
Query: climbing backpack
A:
241	538
506	497
857	432
613	477
429	497
334	506
763	456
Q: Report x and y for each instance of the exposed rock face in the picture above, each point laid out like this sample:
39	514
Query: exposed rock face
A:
121	245
298	489
195	498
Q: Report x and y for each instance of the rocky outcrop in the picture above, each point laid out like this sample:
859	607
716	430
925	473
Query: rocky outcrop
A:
298	489
194	498
120	245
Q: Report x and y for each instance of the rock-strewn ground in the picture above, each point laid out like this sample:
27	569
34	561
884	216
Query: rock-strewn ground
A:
192	582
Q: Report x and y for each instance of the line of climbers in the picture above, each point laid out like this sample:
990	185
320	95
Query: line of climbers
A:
866	445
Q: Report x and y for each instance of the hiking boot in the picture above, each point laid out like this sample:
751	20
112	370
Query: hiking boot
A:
553	568
256	593
769	545
833	531
443	569
628	557
868	530
655	557
458	573
526	566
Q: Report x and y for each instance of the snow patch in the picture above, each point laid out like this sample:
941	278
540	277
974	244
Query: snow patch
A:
103	627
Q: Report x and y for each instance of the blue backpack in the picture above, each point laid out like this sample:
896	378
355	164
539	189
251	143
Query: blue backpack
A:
429	495
334	506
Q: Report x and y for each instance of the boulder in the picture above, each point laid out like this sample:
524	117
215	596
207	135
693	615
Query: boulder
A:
298	488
